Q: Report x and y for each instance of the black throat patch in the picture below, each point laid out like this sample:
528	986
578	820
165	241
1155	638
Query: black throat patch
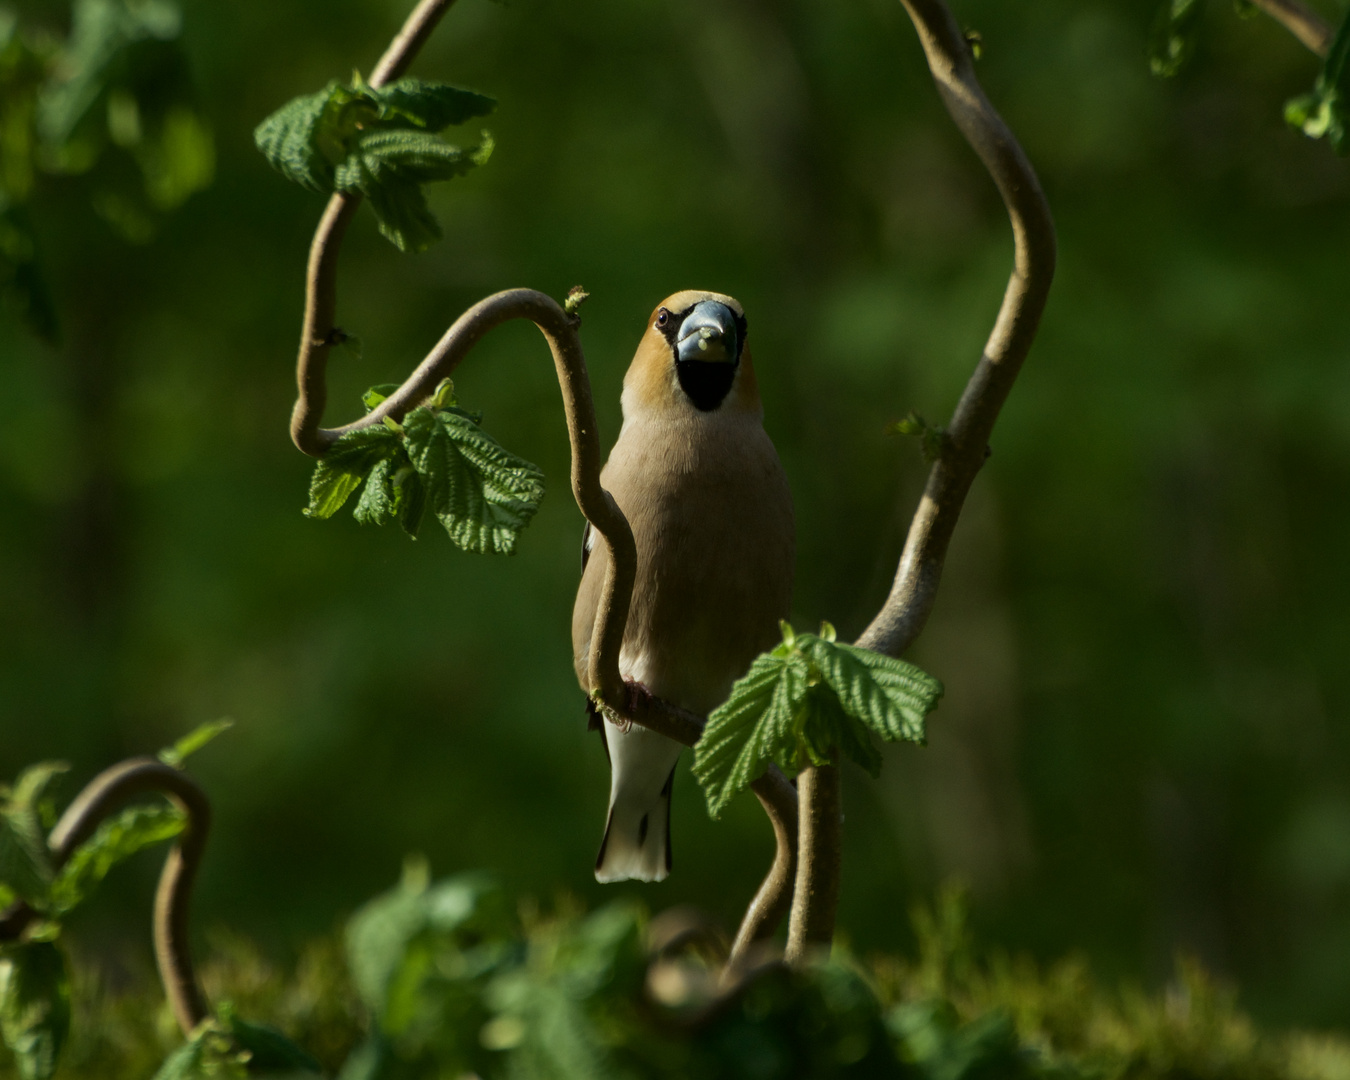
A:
706	382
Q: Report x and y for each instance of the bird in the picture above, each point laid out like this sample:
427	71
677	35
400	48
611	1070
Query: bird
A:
701	484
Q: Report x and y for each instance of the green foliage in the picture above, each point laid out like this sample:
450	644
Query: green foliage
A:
480	492
193	741
225	1047
382	142
25	863
1175	30
115	840
34	1005
115	94
1322	113
809	701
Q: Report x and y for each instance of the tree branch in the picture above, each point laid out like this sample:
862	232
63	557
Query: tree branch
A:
965	444
1301	21
101	797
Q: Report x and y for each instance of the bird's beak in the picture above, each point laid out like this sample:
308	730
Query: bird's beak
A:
708	333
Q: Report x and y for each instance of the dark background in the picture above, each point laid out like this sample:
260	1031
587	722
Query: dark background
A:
1144	623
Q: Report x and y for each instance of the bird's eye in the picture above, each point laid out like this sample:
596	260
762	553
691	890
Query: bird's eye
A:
662	317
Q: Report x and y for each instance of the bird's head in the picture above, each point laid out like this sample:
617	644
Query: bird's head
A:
693	357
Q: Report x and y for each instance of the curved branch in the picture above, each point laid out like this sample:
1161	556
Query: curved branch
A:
1301	21
966	441
319	333
101	797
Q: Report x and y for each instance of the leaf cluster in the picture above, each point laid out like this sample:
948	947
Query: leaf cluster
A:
34	977
1323	112
439	457
811	701
113	103
384	142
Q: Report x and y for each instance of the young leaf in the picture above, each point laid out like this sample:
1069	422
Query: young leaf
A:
288	139
270	1052
811	700
1323	113
390	167
431	106
193	741
345	464
482	493
1175	29
34	1006
25	862
116	839
381	142
741	733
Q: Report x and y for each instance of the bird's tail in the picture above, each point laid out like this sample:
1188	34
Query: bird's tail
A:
637	833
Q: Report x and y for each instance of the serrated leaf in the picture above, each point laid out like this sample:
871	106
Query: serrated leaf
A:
1175	30
346	464
433	106
21	870
193	741
812	700
739	737
288	139
116	839
390	167
891	697
480	492
34	1006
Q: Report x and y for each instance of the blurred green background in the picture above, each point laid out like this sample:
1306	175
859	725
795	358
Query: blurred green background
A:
1144	624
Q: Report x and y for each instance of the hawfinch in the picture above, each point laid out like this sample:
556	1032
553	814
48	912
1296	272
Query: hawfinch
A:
703	489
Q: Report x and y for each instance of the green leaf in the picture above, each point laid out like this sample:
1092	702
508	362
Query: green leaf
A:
382	143
98	56
211	1054
289	139
34	1006
269	1050
390	167
428	105
1175	30
116	839
346	464
193	741
1322	113
812	700
381	934
740	734
890	697
482	493
25	862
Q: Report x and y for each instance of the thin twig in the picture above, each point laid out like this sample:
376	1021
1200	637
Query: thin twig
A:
1301	21
101	797
965	443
